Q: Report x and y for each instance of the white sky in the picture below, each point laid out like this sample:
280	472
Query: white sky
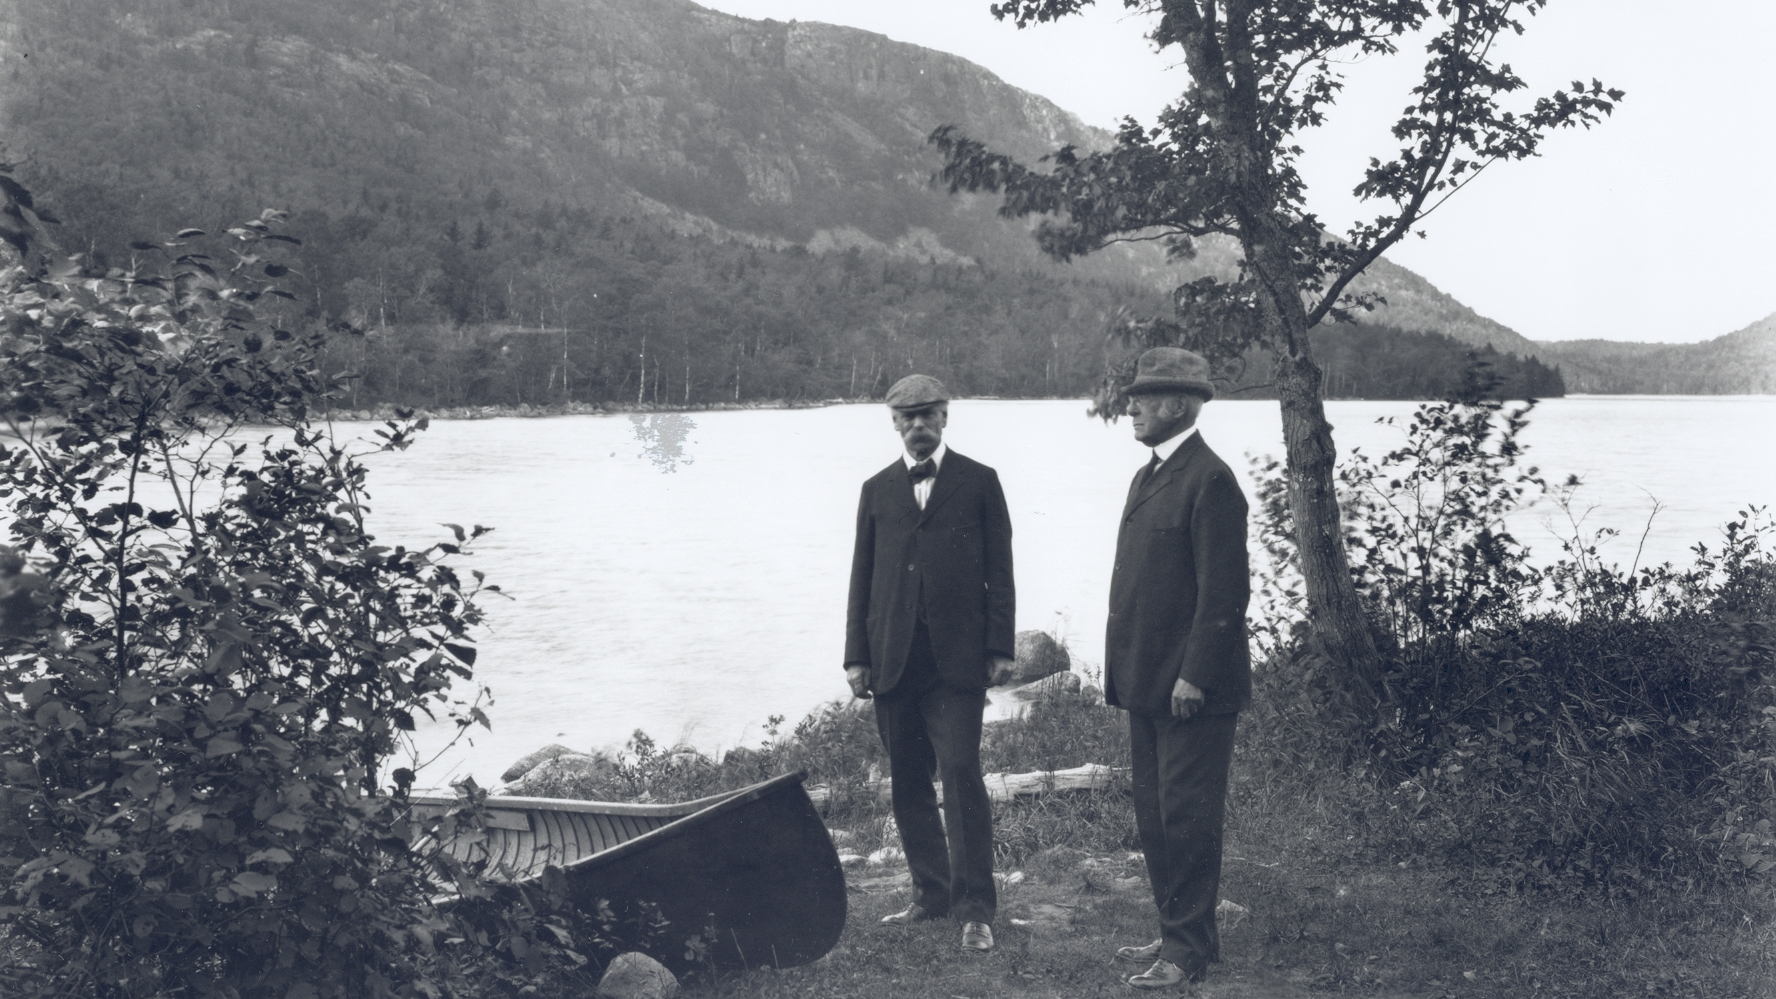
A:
1656	225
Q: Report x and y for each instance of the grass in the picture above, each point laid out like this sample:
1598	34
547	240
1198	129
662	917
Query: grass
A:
1339	896
1311	928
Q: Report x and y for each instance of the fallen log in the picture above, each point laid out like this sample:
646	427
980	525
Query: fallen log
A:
1001	787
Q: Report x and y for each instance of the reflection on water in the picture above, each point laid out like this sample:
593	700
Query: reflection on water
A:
662	437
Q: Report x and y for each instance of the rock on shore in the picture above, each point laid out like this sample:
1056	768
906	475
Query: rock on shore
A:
555	769
1038	656
636	976
1056	683
530	762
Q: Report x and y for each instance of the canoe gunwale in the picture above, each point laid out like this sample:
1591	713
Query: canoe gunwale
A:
520	803
686	815
722	804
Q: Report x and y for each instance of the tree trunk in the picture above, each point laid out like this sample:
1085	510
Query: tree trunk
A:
1334	612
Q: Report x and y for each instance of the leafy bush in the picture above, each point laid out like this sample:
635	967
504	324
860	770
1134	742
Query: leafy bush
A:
1424	525
1577	719
216	664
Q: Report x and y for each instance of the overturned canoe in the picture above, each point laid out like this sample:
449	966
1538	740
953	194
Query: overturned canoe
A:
755	866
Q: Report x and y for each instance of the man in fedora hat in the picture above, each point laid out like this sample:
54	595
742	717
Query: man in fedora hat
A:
1175	656
929	626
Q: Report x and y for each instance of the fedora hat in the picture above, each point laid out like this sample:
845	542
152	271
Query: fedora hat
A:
1172	369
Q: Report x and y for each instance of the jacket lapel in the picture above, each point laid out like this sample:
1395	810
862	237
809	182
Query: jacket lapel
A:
901	489
949	479
1157	481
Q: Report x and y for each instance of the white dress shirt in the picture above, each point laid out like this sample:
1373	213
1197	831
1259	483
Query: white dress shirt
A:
1164	449
922	488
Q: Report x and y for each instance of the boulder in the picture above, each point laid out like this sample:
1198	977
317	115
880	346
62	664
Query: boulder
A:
1038	655
636	976
1057	683
528	763
552	772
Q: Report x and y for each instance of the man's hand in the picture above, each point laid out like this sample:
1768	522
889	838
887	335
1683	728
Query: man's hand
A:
858	678
1002	670
1187	698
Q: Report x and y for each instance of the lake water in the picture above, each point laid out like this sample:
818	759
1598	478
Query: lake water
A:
685	574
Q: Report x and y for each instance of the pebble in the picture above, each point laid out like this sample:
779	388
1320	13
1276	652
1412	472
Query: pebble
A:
887	855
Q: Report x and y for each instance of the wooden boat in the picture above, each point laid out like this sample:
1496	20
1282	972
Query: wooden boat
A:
756	866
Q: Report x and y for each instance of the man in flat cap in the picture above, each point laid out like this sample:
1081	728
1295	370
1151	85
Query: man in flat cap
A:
929	626
1175	656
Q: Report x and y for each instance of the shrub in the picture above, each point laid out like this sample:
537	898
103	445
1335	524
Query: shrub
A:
1579	719
219	662
1424	524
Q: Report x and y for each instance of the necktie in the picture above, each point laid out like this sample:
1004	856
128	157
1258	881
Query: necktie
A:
1147	472
926	469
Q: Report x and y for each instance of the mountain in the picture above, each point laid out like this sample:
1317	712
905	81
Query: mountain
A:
1739	363
769	133
701	207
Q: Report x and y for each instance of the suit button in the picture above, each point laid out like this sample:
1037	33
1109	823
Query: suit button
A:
909	568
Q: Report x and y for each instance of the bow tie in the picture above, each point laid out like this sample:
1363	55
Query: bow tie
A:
926	469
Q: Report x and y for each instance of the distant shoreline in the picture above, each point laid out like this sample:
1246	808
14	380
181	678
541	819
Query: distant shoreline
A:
387	412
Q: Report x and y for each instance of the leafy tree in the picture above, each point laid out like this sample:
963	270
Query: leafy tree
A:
207	664
1221	164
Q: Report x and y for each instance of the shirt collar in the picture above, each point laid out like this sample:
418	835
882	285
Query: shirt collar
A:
1165	449
937	457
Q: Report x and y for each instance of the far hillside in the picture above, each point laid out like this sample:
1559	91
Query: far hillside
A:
1740	363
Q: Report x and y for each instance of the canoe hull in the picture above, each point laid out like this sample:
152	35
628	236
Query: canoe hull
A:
759	884
745	879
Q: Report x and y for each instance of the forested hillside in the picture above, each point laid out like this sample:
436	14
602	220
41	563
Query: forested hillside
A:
622	200
1740	363
1363	361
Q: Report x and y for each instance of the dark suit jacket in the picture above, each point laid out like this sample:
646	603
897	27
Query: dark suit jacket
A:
952	559
1179	590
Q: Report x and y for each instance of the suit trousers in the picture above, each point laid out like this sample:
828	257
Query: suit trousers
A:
1180	791
930	728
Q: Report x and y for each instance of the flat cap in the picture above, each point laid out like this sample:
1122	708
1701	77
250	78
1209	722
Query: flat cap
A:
1172	369
915	391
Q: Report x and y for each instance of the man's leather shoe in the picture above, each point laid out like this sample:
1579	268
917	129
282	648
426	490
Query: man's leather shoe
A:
1146	952
914	913
1163	975
977	936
